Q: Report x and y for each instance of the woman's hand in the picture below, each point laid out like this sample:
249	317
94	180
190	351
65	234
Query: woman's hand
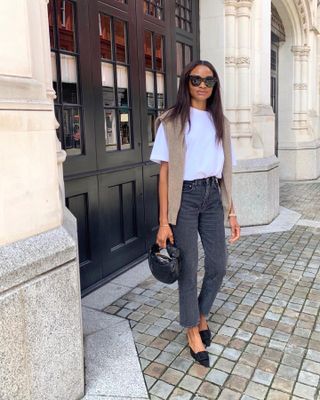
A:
163	234
235	229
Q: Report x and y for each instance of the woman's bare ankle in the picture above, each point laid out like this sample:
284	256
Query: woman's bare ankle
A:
203	324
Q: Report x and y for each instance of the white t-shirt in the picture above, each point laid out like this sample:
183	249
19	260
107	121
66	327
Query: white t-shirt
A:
204	155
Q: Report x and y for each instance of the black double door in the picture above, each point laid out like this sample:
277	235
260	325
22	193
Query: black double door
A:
126	74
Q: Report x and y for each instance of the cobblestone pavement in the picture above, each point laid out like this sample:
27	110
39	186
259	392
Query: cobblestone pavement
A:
303	198
265	319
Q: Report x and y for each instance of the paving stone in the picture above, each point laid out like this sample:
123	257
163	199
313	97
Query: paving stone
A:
244	335
228	394
149	381
308	378
236	383
165	358
243	370
287	372
180	394
231	354
199	371
159	343
224	365
313	355
268	365
161	389
168	334
216	376
249	359
174	347
304	391
144	363
155	369
215	348
182	364
256	390
149	353
277	395
282	384
190	383
172	376
144	339
209	390
262	377
154	330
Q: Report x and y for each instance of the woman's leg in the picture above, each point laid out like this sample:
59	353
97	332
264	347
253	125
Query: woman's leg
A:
212	233
185	234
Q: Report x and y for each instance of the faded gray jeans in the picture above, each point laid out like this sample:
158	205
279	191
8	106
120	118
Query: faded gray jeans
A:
200	211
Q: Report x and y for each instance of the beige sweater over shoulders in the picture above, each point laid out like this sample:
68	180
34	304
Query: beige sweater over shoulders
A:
176	147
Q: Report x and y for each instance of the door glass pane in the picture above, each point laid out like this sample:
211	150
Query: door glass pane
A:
150	89
122	80
150	127
72	129
120	41
160	90
107	84
187	54
69	78
148	49
179	58
105	37
110	130
125	130
159	53
66	25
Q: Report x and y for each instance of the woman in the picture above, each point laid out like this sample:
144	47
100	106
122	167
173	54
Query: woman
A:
193	146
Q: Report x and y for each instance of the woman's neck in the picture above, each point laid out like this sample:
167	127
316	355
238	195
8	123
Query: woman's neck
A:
200	105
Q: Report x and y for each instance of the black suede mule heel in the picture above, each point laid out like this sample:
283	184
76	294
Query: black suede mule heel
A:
206	337
202	357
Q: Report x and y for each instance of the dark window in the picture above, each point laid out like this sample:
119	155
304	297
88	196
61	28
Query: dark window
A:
115	83
184	15
155	78
184	56
154	8
65	59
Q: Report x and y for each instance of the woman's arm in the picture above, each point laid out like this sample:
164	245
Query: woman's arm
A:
235	227
164	231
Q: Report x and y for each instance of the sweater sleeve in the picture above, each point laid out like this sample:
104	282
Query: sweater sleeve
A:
160	150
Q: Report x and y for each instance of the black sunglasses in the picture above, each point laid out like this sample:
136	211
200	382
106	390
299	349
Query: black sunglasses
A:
209	81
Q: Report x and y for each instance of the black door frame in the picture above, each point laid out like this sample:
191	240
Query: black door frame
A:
92	174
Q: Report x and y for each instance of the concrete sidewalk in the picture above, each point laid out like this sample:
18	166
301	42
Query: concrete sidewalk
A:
265	319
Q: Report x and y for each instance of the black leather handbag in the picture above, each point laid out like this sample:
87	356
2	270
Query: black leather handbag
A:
163	267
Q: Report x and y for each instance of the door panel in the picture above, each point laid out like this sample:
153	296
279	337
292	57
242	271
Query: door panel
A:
115	85
82	201
151	182
122	218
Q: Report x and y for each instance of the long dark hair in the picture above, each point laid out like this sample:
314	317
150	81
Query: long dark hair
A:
181	109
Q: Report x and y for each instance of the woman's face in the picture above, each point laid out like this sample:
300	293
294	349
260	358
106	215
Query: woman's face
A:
201	93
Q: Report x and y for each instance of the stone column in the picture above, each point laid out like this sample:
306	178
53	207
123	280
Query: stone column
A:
263	119
40	326
300	91
256	181
230	59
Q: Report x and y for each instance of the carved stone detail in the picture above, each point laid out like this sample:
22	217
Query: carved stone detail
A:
302	9
237	60
243	60
300	86
230	60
